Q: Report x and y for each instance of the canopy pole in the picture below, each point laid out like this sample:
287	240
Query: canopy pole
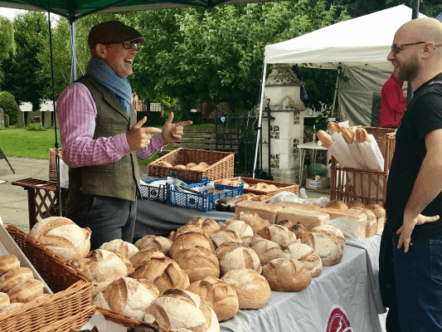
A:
260	117
336	92
72	30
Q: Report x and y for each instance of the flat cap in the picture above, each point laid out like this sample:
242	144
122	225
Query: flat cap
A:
113	32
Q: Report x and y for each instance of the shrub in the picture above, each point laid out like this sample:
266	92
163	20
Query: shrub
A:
9	105
35	127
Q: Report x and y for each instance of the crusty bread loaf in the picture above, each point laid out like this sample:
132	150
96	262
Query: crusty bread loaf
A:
265	249
181	310
306	255
336	213
362	135
287	275
227	246
165	273
296	227
348	135
102	265
295	205
123	248
100	301
63	237
252	289
179	167
150	286
309	218
4	301
190	240
355	203
278	234
337	204
244	231
380	214
8	263
228	222
198	263
218	295
12	306
163	164
327	248
264	210
126	262
15	277
144	255
333	127
253	220
26	291
209	226
226	235
152	241
325	138
99	287
190	165
331	231
239	258
372	221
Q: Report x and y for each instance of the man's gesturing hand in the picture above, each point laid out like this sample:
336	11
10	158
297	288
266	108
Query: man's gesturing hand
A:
172	132
406	229
139	138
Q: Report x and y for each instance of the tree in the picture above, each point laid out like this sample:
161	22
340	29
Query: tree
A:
9	106
7	42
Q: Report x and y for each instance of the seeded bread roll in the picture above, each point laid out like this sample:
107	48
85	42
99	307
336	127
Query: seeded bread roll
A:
252	289
226	235
123	248
355	203
26	291
4	301
8	263
287	275
218	295
265	249
337	204
278	234
144	255
198	263
15	277
306	255
152	241
239	258
189	241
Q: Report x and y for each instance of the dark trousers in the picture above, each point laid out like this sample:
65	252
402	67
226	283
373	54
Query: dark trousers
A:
108	218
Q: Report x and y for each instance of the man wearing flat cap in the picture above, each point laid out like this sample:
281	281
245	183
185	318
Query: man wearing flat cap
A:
102	140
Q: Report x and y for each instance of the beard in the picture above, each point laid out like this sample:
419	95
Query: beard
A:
408	71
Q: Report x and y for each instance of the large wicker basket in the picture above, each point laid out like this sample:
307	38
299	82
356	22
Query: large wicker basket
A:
53	163
290	187
72	290
221	164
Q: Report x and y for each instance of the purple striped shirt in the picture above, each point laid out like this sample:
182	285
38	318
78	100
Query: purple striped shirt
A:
76	112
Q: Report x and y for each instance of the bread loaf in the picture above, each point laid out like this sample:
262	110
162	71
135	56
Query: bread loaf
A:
380	214
226	235
372	222
331	231
99	287
152	241
4	301
252	289
15	277
208	226
287	275
264	210
337	204
144	255
63	237
278	234
189	241
296	227
225	247
126	262
265	249
327	247
325	138
355	203
198	263
362	135
102	265
295	205
228	222
190	165
26	291
333	127
309	218
179	167
8	263
254	221
181	310
164	164
244	231
348	135
218	295
165	273
123	248
100	301
150	286
306	255
335	213
239	258
12	306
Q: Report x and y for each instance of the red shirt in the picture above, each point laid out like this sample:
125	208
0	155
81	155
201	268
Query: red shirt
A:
392	103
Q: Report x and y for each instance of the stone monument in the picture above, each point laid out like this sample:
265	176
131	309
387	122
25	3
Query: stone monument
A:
2	119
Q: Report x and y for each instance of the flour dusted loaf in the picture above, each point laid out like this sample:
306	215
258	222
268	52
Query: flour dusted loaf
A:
8	263
239	258
26	291
63	237
144	255
253	220
296	227
331	231
4	301
225	235
252	289
287	275
278	234
244	231
306	255
265	249
218	295
189	241
152	241
198	263
264	210
12	306
199	225
380	214
309	218
15	277
327	246
120	247
181	310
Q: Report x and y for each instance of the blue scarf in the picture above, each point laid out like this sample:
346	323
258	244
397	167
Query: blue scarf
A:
119	87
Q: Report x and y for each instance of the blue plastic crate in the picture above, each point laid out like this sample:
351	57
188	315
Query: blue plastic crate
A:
160	193
205	201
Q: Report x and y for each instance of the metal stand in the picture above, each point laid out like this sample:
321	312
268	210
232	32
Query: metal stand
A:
2	156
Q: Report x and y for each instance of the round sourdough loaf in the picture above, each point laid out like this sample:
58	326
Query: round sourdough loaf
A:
296	227
226	235
265	249
189	241
227	246
254	220
26	291
252	289
331	231
218	295
287	275
4	301
306	255
278	234
198	263
190	165
327	247
126	262
244	231
238	259
15	277
165	273
102	265
63	237
355	204
99	287
144	255
208	226
8	263
228	222
120	247
179	167
152	241
181	310
337	204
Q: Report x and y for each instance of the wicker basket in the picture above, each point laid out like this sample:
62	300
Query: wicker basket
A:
72	290
290	187
221	164
53	163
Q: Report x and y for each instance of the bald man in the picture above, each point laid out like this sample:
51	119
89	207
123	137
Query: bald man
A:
414	199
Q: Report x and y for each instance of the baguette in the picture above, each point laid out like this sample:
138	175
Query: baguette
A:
333	127
348	135
325	138
362	136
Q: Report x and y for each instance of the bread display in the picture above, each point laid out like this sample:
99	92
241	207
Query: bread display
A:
252	289
265	249
355	203
144	255
8	263
152	241
189	241
278	234
226	235
15	277
123	248
380	214
309	218
306	255
4	301
218	295
181	310
287	275
244	231
239	258
253	220
337	204
26	291
63	237
198	263
265	211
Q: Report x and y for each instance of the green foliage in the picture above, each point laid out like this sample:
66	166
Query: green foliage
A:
7	43
9	106
35	127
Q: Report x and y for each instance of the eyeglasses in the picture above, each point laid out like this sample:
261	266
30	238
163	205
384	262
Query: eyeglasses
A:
129	45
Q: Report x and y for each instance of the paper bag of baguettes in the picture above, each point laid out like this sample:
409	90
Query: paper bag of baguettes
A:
355	148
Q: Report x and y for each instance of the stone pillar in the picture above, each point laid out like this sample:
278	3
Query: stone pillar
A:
21	118
2	119
287	128
6	120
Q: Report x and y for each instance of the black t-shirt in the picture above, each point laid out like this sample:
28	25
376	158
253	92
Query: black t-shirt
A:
423	114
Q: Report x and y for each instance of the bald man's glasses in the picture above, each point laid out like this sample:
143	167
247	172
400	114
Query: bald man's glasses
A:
396	48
